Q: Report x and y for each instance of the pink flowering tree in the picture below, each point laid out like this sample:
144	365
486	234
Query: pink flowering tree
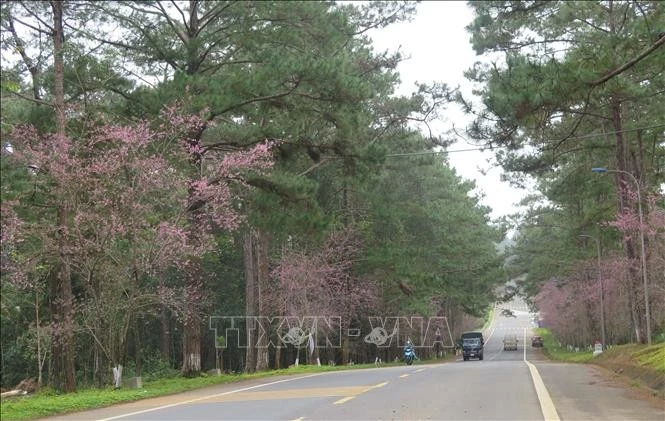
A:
217	181
628	224
134	213
321	282
571	306
109	184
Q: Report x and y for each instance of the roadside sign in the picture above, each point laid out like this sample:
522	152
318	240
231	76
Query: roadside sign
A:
597	349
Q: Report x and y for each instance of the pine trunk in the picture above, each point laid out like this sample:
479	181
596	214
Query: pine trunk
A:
278	355
191	333
250	300
623	186
62	344
262	278
164	336
256	244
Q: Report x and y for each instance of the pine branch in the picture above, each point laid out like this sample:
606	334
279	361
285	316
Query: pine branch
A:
631	63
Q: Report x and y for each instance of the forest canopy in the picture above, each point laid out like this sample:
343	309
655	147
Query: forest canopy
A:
166	162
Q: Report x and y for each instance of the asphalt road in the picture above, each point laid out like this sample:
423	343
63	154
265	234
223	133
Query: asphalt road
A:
506	385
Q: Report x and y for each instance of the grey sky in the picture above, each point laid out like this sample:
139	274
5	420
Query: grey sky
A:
437	49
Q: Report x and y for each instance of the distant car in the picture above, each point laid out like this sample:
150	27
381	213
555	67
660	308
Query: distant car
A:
507	313
537	341
510	343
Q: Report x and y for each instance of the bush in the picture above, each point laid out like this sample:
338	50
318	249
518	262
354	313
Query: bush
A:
153	367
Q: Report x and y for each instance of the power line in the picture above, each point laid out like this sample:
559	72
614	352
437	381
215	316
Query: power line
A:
484	148
435	152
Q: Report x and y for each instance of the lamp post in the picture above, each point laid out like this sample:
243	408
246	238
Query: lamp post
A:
644	261
602	292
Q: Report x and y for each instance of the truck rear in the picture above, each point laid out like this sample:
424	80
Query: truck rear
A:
473	344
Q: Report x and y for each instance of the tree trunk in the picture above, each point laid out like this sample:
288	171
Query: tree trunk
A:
278	355
191	334
62	344
98	372
164	336
633	310
262	278
345	350
191	365
137	347
250	299
255	248
623	185
220	359
117	376
40	363
62	376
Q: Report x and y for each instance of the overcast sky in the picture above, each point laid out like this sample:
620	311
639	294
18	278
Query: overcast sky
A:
437	48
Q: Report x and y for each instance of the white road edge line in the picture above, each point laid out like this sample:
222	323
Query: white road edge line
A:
207	397
546	404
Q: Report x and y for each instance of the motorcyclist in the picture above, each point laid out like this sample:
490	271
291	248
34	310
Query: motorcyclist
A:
408	349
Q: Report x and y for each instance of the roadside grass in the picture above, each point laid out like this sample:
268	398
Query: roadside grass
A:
488	318
652	356
646	356
642	366
554	351
47	402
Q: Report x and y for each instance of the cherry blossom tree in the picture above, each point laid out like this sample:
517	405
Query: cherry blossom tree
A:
133	213
627	222
321	282
214	187
571	305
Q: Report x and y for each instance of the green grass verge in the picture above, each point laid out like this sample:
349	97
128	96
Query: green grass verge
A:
47	403
649	357
652	356
488	318
553	351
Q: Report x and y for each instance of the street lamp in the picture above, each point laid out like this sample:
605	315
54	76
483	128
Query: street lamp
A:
644	261
602	292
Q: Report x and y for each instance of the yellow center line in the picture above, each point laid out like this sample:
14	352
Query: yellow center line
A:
348	398
379	385
345	393
291	394
152	408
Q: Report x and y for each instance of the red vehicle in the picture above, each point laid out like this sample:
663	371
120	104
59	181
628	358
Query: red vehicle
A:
537	341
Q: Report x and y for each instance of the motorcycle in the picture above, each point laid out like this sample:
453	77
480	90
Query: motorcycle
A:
409	356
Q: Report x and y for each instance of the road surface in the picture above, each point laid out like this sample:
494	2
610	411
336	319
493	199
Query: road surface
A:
506	385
